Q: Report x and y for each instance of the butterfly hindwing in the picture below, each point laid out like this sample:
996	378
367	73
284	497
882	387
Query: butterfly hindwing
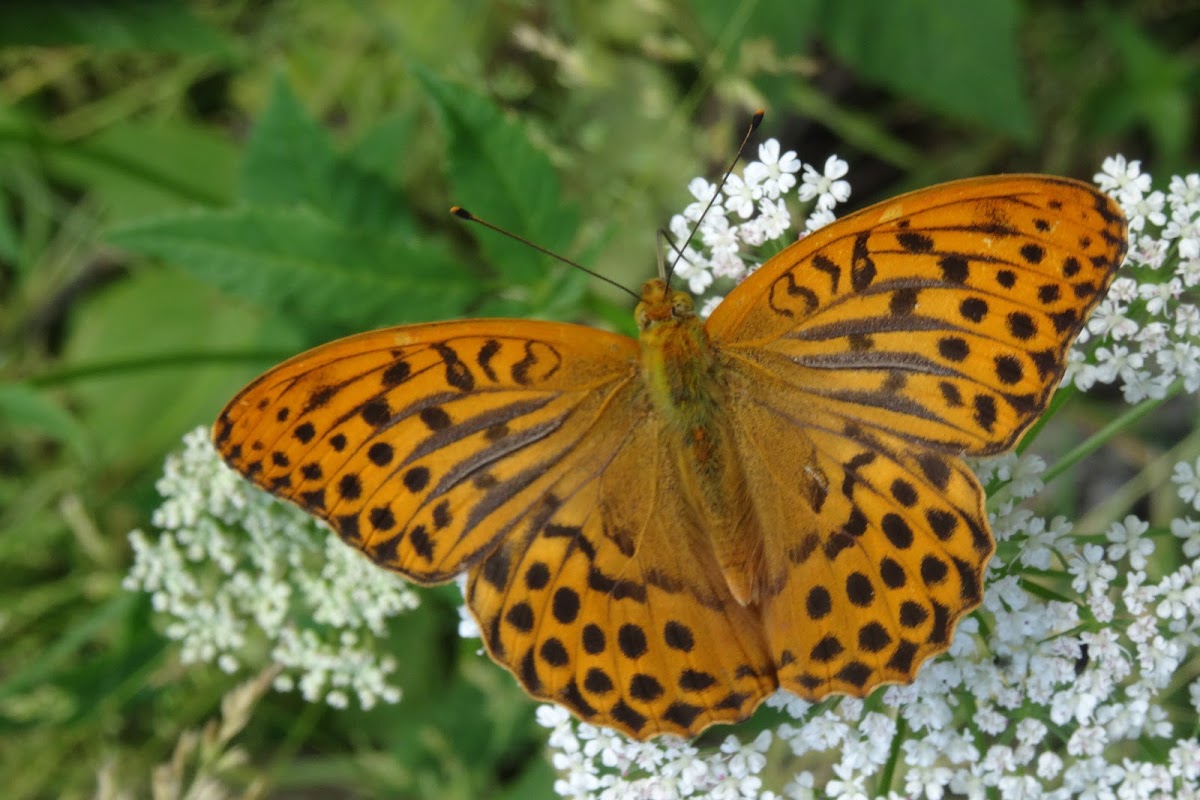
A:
609	600
878	547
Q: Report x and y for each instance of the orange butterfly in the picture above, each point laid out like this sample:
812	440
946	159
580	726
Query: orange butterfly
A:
661	532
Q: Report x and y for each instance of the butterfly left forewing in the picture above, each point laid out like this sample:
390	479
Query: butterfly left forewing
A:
423	445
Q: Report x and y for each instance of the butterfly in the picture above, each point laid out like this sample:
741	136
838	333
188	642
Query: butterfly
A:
659	533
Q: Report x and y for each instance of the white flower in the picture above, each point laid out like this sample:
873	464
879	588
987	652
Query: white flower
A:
1127	538
697	272
1049	764
827	188
774	219
746	759
1148	208
773	173
1189	531
740	196
848	785
1184	191
704	192
1123	179
1091	572
1188	479
1184	760
1045	541
1185	227
236	574
801	787
818	218
1180	594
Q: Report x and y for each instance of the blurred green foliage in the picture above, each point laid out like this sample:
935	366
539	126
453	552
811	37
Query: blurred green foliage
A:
191	191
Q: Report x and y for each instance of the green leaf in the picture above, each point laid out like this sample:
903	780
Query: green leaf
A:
289	158
1155	88
309	267
496	172
23	406
958	58
155	25
383	146
291	163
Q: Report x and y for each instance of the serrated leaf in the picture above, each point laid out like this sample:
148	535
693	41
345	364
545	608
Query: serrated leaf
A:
308	266
497	173
154	25
290	163
958	58
289	157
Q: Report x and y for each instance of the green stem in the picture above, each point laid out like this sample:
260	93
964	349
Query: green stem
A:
889	769
1109	431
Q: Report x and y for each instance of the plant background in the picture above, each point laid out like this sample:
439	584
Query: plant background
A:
190	192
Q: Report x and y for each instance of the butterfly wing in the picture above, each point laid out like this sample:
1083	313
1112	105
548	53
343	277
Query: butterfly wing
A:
423	445
609	599
944	315
529	454
881	348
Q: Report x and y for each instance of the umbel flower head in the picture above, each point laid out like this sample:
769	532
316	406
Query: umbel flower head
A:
241	579
1077	677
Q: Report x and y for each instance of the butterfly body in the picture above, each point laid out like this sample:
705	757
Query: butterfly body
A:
660	532
682	372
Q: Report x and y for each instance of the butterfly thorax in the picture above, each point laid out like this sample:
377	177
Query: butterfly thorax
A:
678	360
683	376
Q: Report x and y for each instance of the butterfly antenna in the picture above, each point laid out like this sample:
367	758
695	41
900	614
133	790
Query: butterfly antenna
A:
462	213
755	121
665	236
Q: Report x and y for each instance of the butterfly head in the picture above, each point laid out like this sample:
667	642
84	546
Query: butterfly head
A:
661	304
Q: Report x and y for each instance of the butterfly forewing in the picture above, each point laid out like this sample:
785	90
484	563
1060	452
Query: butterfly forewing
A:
406	440
944	314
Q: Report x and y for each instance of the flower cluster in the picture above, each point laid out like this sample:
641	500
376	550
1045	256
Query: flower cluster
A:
1071	679
241	579
1145	336
750	213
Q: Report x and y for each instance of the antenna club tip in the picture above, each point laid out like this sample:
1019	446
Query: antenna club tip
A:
461	212
757	119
